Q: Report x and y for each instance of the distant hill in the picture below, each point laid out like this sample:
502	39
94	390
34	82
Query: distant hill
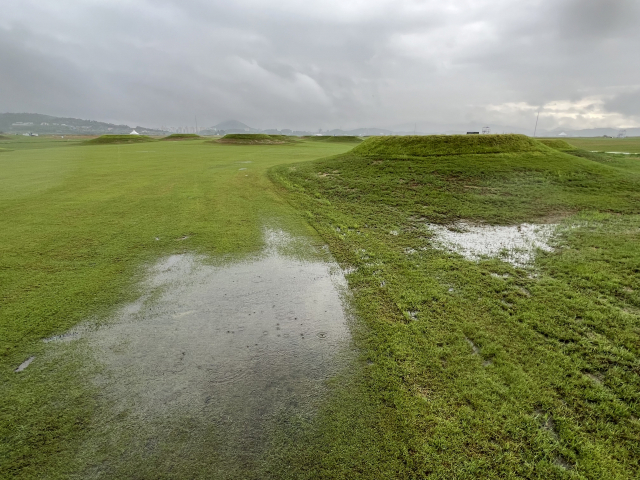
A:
233	126
47	124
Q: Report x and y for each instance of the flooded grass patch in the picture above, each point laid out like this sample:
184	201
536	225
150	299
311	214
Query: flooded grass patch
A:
80	224
515	244
228	349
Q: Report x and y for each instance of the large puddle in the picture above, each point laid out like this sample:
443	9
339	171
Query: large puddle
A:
198	374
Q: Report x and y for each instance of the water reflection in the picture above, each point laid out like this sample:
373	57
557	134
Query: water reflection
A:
214	357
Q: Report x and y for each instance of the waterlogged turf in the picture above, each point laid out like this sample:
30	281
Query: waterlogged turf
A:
80	227
484	357
233	350
630	144
494	281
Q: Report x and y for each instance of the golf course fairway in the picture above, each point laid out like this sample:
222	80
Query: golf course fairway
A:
399	308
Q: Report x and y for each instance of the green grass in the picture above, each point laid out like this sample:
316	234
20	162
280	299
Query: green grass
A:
119	139
181	136
555	378
631	144
79	223
336	139
556	144
433	145
254	139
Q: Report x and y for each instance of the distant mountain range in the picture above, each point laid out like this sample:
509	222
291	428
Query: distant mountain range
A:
234	126
20	123
46	124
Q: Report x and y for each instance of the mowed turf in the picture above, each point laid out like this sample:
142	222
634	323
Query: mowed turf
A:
78	224
600	144
479	369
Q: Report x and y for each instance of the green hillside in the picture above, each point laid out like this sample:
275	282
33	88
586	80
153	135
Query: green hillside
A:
479	368
556	144
254	139
425	146
116	139
181	136
334	139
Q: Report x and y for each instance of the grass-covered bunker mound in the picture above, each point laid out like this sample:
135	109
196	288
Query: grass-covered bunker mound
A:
181	136
118	139
334	139
469	364
254	139
556	144
422	146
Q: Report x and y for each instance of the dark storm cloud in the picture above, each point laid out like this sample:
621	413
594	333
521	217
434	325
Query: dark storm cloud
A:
324	64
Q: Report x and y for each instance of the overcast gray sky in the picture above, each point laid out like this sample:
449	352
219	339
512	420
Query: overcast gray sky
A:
324	63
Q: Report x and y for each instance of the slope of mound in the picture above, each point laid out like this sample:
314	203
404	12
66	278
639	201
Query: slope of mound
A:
434	248
4	137
254	139
112	139
336	139
430	145
556	144
496	188
181	136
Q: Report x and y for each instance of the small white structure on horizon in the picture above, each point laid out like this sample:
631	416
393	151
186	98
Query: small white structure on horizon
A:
133	132
562	134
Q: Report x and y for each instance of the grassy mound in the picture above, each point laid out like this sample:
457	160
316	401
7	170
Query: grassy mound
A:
556	144
4	137
337	139
480	362
430	145
181	136
254	139
113	139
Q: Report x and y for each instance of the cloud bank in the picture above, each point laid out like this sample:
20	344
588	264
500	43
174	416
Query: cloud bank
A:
325	64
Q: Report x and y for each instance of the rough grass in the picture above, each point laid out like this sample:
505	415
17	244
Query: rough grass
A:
334	139
254	139
78	224
433	145
600	144
119	139
556	144
479	370
181	136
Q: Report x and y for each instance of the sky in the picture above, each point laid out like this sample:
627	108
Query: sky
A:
325	64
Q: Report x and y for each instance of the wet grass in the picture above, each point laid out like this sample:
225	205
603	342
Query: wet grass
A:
436	145
119	139
336	139
630	144
556	144
255	139
181	136
78	225
478	369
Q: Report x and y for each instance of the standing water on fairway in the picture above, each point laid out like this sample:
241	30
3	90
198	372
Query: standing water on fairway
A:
199	373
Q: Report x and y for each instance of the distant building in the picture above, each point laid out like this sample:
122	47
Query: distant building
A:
133	132
562	134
